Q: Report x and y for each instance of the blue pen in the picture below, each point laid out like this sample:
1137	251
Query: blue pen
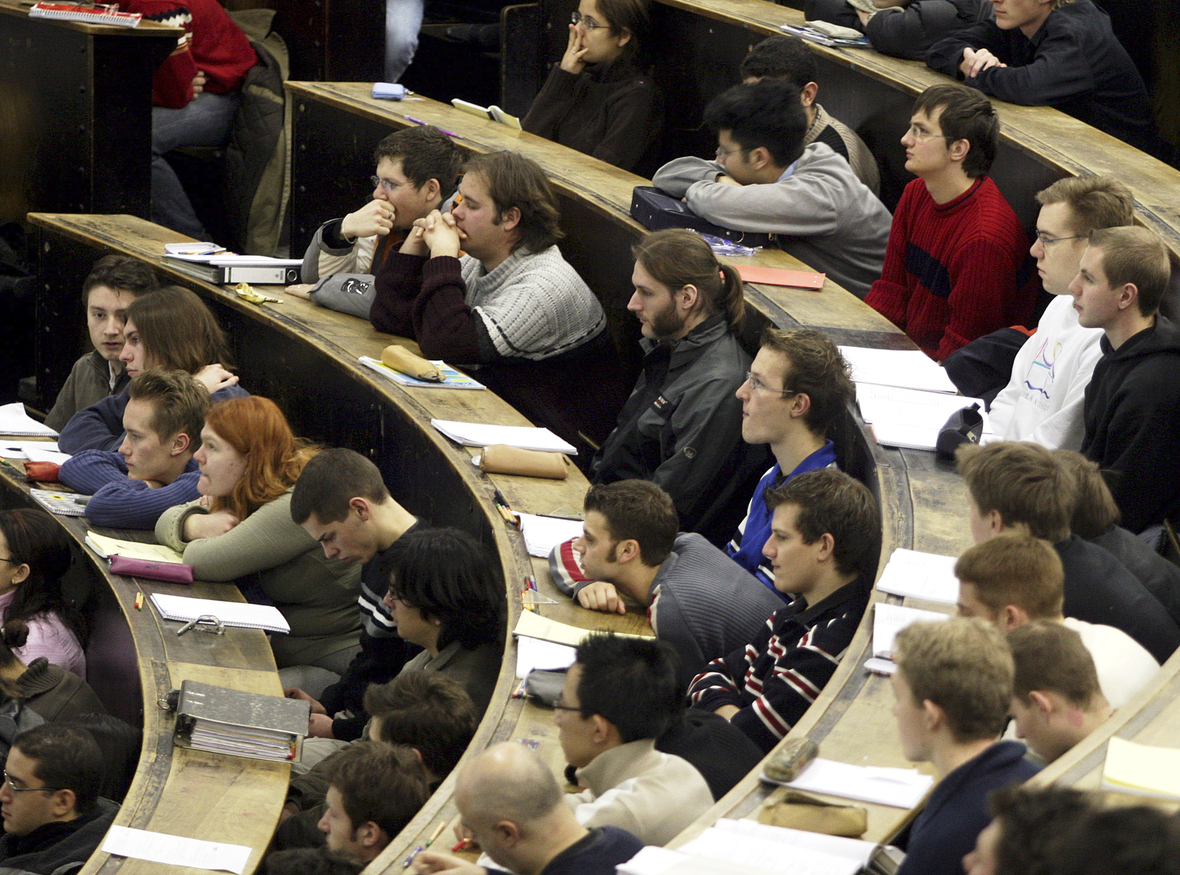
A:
410	859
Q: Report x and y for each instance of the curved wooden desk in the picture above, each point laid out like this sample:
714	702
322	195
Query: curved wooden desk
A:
135	658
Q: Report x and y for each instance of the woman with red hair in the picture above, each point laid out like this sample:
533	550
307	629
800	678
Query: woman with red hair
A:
241	530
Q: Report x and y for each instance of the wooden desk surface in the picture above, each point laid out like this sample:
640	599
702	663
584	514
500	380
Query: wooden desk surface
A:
604	189
1051	138
176	790
144	28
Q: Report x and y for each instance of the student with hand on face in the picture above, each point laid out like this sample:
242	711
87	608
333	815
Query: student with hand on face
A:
417	171
240	530
36	556
511	305
170	329
107	292
598	99
153	469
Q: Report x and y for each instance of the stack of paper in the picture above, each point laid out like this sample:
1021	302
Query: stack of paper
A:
900	788
912	574
909	418
477	434
909	369
543	533
888	620
746	846
14	420
1144	770
224	720
34	451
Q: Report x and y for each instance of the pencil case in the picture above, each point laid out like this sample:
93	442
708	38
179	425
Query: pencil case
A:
401	359
42	472
502	459
172	572
796	810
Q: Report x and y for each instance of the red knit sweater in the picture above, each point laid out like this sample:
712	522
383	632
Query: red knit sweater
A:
215	45
950	271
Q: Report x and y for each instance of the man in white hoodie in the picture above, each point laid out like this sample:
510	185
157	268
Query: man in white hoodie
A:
1043	399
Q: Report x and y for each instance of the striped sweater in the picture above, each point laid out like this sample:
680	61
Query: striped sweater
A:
775	678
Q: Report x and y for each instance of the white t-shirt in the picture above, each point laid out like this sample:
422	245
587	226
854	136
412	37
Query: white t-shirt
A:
1043	399
1124	666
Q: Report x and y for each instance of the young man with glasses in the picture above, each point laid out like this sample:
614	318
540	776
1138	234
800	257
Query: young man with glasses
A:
765	180
797	387
53	816
1042	401
417	172
956	246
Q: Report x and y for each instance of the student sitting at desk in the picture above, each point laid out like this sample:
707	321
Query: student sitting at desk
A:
36	555
417	171
765	180
823	545
53	693
903	28
241	530
512	305
787	57
952	690
1058	53
113	283
153	469
598	99
681	427
170	329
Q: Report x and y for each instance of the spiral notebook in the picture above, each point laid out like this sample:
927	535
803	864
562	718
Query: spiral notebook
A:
240	614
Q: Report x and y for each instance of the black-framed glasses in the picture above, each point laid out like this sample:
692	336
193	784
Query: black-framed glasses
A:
561	706
1046	240
8	559
577	17
757	384
16	789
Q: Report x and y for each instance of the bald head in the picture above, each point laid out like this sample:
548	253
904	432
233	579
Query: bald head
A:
508	781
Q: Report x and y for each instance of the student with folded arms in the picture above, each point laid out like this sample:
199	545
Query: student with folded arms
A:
241	530
170	329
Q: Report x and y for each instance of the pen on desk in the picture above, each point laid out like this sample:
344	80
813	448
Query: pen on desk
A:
461	846
410	859
506	509
419	121
83	500
434	835
139	601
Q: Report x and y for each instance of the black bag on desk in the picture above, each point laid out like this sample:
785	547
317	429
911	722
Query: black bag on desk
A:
655	210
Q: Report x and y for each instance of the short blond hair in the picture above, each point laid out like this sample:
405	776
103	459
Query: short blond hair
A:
965	668
1014	568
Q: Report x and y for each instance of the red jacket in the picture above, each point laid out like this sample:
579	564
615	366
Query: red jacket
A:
213	44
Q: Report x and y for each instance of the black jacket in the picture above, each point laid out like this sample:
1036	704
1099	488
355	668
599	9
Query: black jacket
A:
1132	417
904	31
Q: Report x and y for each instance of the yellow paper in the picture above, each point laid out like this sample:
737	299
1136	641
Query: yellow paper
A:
1141	768
132	549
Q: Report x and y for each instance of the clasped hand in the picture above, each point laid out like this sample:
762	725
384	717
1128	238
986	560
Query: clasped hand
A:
975	61
436	235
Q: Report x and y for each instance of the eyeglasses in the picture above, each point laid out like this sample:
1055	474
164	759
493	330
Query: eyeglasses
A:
387	186
16	789
757	384
919	134
6	559
722	151
561	706
586	21
1046	240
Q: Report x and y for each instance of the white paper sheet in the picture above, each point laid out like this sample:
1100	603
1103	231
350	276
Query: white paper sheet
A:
900	788
478	434
159	847
543	533
14	420
533	653
889	619
911	369
920	575
11	449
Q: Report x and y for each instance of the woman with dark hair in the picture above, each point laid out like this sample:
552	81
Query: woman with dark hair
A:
170	328
598	99
241	530
34	555
447	595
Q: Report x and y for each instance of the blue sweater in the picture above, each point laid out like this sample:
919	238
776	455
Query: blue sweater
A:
100	426
746	546
956	811
118	501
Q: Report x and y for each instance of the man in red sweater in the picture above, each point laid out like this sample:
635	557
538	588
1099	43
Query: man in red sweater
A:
956	246
195	94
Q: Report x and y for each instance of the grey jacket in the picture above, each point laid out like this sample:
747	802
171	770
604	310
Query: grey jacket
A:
341	274
828	218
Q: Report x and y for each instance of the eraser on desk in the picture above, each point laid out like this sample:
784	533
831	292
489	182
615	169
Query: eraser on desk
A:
388	91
